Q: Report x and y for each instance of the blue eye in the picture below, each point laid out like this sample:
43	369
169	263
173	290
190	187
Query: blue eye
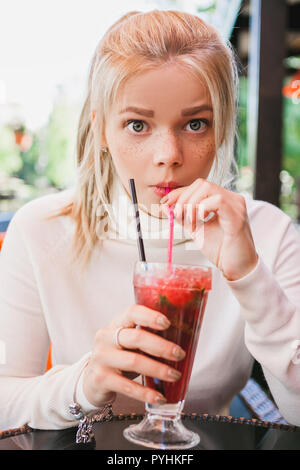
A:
137	125
196	124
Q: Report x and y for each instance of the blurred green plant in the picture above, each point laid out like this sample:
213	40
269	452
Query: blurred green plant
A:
10	158
49	159
208	7
59	144
290	147
27	171
291	136
291	157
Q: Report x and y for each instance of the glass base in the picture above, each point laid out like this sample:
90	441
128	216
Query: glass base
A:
161	431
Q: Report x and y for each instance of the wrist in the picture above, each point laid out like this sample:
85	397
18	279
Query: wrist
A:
242	272
88	416
90	393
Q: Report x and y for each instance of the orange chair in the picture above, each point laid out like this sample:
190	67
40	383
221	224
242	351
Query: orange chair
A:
2	235
49	360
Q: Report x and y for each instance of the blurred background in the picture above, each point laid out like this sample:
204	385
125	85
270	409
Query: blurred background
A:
45	51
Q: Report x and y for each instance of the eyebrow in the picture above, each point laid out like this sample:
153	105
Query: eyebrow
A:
141	111
184	112
196	109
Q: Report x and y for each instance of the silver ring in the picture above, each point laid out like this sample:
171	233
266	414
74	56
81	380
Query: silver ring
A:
116	337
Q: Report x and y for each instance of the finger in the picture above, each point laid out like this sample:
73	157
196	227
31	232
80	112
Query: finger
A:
177	202
180	193
215	203
184	196
191	218
199	190
119	384
183	208
139	315
173	195
207	211
133	362
195	213
182	205
177	199
149	343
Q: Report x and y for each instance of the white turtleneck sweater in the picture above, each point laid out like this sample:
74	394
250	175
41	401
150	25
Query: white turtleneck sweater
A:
44	298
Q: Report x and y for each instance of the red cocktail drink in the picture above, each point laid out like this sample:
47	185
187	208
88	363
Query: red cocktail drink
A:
180	293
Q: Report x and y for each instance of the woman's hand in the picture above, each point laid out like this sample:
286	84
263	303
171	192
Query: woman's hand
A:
111	368
225	239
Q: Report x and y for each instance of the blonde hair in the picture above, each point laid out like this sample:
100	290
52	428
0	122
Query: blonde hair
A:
135	43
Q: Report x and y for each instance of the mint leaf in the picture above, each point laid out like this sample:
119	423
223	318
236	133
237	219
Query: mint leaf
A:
164	301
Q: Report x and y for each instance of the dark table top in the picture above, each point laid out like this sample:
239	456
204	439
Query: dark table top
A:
216	433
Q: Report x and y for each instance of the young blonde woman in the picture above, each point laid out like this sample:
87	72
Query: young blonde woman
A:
160	108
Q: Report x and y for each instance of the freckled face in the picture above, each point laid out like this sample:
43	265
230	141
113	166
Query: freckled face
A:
160	130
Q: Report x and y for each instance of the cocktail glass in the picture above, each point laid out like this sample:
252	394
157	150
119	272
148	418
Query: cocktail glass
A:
180	292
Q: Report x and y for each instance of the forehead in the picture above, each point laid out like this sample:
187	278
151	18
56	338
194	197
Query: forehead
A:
163	86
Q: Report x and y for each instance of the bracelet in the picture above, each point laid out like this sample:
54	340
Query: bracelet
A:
85	428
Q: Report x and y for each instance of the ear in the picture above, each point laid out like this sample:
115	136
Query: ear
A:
103	142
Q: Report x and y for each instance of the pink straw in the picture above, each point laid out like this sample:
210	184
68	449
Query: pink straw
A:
171	220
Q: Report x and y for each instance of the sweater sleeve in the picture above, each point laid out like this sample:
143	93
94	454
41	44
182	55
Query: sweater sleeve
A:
27	394
270	304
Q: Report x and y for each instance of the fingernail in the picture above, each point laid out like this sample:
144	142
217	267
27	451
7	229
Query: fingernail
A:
163	321
164	199
178	352
174	374
160	400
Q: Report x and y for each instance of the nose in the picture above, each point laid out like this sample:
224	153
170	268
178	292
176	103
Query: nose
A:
167	150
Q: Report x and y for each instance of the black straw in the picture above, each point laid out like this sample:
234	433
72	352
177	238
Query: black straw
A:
137	219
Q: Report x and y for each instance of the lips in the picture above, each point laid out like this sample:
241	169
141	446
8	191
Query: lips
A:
160	188
167	184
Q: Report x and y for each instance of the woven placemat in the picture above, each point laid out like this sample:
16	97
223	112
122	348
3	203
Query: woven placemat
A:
205	418
15	432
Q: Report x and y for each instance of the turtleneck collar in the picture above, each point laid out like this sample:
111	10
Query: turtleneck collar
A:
122	227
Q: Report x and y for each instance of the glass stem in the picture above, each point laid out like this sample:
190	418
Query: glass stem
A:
166	411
